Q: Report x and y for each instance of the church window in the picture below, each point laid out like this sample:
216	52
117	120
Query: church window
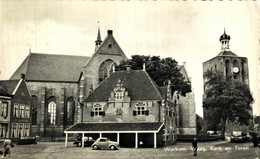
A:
51	113
140	109
97	110
109	46
3	109
243	72
228	68
14	130
103	72
35	104
70	111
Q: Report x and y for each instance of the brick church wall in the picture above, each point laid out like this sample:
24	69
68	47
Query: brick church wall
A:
61	92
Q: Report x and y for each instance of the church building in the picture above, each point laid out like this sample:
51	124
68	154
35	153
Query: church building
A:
60	85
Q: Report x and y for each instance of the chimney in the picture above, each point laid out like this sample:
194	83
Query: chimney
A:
23	76
128	68
110	33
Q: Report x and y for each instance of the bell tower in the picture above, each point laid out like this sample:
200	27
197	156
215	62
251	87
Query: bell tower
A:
232	66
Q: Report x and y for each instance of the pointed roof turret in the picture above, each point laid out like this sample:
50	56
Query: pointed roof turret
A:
224	40
98	41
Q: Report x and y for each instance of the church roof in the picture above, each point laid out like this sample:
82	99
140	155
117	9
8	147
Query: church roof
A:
226	53
47	67
184	73
137	82
8	86
108	47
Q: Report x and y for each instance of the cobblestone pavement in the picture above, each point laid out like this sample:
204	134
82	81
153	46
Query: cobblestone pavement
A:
56	150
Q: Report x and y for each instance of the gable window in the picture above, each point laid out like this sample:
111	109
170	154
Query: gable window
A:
119	95
140	109
4	109
97	110
51	120
21	114
27	111
16	107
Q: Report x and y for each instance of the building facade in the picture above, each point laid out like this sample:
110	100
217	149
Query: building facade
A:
15	109
59	83
185	108
232	66
129	97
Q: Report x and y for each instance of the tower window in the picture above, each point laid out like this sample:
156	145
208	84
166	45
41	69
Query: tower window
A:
109	46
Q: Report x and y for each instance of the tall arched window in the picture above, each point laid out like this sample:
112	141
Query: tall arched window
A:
104	70
51	119
35	103
70	111
243	71
228	69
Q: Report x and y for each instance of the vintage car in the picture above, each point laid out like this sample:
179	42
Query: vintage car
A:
238	136
104	143
88	141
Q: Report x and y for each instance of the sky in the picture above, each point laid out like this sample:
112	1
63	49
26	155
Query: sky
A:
186	31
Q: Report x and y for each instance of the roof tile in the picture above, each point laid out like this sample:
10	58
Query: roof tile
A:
136	82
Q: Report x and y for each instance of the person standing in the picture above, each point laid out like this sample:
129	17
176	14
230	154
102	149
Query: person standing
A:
195	146
7	147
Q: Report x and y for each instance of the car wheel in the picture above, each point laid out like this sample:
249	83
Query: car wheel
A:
95	147
79	144
112	147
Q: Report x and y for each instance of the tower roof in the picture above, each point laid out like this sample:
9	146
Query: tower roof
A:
98	37
224	36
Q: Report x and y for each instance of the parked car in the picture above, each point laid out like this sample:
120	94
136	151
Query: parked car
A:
237	137
88	141
104	143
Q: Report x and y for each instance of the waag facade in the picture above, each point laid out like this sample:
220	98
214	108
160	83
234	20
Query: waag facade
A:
128	107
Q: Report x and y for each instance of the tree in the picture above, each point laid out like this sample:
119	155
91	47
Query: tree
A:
226	100
160	70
